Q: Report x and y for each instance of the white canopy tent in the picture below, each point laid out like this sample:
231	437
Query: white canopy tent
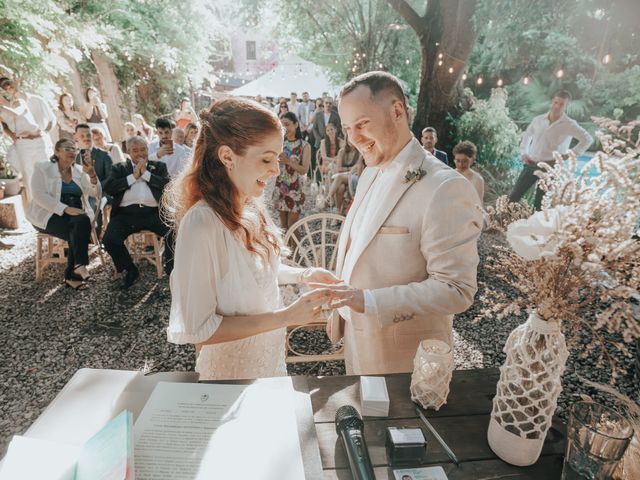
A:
293	74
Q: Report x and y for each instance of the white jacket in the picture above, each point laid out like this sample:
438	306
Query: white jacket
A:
46	186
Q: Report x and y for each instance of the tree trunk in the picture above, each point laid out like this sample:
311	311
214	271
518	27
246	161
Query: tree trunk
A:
446	29
74	81
110	89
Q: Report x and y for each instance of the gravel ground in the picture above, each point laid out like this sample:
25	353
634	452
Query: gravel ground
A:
48	332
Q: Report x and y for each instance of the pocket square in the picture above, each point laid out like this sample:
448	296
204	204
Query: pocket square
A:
393	230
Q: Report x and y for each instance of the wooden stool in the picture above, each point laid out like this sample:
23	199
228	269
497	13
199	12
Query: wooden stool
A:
137	244
50	249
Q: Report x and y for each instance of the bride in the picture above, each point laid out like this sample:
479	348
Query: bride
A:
224	286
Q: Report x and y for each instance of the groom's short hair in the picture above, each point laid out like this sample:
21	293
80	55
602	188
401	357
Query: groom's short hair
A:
377	82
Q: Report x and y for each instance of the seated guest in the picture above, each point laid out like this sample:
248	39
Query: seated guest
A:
190	134
178	137
346	167
329	146
164	149
112	149
67	117
136	187
143	128
60	206
464	154
129	131
102	160
429	140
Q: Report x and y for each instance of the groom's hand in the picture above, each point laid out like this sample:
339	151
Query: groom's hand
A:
356	303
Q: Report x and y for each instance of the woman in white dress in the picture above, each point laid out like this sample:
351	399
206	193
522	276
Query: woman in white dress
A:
224	286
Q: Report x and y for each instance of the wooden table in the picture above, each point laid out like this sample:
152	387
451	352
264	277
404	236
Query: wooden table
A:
92	397
462	423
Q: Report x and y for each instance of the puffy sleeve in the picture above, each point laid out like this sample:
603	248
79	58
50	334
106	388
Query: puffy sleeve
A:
200	264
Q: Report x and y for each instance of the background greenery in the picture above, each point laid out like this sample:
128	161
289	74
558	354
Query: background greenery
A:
162	50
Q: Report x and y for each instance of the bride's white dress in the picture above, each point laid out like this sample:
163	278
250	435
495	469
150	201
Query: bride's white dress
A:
214	277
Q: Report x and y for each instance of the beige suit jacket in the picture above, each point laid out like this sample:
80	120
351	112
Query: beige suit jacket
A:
416	251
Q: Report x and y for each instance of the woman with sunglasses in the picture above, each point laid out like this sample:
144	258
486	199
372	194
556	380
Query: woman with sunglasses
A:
60	206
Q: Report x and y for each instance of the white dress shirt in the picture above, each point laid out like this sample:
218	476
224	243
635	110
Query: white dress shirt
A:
542	138
175	162
304	112
139	192
327	117
41	111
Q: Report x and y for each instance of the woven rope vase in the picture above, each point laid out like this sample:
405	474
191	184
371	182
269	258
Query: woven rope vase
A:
528	390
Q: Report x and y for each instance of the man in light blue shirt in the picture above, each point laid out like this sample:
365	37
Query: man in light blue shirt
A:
165	150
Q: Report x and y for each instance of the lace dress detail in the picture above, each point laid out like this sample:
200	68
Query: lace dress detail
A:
258	356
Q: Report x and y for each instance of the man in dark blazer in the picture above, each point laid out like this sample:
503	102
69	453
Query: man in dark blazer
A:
102	161
136	187
328	115
429	140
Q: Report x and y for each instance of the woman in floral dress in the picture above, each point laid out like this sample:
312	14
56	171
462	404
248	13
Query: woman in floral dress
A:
294	163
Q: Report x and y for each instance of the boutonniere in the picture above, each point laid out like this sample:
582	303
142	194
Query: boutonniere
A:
151	168
414	174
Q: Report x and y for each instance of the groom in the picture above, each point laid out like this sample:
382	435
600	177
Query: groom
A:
408	249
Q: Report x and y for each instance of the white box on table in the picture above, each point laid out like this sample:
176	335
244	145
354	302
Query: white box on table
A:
374	397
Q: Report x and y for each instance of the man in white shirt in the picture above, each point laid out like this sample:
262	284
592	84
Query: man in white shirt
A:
409	268
548	133
304	112
165	150
293	104
136	186
40	109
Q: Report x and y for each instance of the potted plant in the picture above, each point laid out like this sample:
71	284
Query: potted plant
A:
8	177
579	251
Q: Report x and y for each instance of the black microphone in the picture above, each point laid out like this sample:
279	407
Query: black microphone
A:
350	428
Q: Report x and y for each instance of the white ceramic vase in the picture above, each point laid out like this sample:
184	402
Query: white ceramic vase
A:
528	390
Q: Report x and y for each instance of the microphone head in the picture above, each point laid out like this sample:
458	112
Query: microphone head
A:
348	417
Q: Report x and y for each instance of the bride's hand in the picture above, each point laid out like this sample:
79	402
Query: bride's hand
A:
308	308
318	276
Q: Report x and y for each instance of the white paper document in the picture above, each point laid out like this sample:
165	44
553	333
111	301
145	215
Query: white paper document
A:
425	473
206	431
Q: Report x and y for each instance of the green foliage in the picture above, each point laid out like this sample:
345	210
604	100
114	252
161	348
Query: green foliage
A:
489	126
160	50
350	38
518	37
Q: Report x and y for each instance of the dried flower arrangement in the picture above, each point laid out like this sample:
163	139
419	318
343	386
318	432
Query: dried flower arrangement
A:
505	213
580	250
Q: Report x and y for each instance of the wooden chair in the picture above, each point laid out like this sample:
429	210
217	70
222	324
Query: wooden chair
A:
50	250
314	243
147	246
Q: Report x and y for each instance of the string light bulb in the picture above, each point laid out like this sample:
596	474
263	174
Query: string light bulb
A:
464	76
525	79
606	59
499	83
450	69
407	61
439	63
440	55
560	72
380	66
479	80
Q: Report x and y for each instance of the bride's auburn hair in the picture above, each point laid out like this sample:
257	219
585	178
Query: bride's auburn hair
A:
238	124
